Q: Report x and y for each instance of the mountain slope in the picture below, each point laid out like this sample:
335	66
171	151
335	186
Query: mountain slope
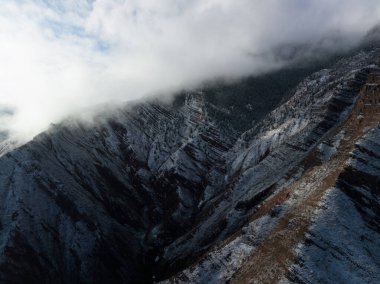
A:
264	250
156	191
350	252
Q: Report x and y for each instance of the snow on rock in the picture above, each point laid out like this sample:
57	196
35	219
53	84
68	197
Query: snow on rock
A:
146	190
343	244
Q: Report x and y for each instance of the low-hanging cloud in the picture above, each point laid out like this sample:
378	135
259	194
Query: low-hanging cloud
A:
58	57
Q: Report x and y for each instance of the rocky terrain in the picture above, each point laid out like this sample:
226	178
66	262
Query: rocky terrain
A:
177	192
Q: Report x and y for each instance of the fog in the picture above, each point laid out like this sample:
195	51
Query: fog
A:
60	57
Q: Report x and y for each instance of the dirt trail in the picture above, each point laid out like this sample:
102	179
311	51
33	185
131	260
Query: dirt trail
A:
271	260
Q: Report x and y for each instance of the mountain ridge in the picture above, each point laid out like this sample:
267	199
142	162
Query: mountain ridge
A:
144	192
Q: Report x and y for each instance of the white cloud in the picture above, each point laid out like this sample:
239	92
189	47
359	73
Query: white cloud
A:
58	57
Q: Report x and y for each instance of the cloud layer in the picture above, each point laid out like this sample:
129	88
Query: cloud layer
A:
60	56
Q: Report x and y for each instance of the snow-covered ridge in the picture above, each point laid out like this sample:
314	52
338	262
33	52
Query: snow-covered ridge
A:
350	252
147	189
250	251
257	170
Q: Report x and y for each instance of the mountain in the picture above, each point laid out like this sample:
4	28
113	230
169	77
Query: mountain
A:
271	179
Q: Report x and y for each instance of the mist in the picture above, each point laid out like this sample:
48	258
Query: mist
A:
60	57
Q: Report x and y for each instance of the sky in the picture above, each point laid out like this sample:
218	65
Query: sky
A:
59	57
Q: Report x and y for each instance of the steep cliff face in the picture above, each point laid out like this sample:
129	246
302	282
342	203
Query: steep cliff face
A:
154	190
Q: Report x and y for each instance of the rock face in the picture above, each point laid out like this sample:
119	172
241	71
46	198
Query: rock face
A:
343	244
170	191
92	203
265	248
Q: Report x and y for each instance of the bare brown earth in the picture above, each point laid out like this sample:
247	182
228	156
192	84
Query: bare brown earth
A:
270	262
